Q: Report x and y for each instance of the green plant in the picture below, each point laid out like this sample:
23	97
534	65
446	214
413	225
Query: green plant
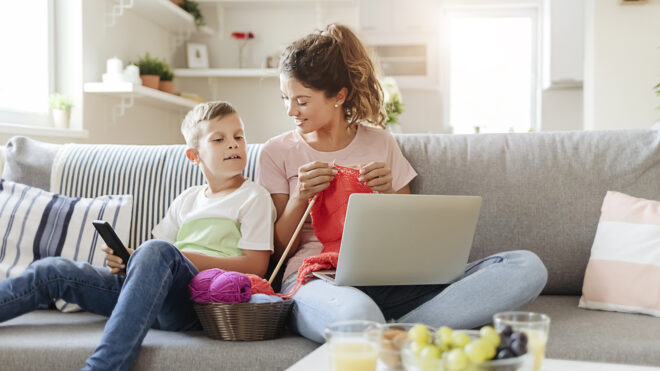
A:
192	7
392	99
149	65
60	102
167	74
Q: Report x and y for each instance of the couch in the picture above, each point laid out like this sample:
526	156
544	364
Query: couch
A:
541	192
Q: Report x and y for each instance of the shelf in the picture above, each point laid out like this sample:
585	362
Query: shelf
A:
128	93
255	2
226	72
163	13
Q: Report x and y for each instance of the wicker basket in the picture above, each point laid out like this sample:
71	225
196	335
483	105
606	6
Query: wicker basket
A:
243	321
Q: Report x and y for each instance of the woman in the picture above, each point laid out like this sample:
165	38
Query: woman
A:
330	88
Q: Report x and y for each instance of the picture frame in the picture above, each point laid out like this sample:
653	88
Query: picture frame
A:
197	55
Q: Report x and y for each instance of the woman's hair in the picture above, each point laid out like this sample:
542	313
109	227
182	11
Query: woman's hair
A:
332	59
202	112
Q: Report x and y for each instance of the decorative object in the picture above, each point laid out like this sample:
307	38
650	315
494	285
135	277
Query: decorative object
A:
243	38
114	71
166	84
198	55
61	108
192	7
624	264
393	103
273	60
132	74
150	70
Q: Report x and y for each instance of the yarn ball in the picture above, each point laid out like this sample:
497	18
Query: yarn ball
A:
200	284
263	298
260	285
231	287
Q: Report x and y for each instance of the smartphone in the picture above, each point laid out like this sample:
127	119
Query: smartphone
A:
110	237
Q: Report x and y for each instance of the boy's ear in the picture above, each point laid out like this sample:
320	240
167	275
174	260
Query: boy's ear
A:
192	155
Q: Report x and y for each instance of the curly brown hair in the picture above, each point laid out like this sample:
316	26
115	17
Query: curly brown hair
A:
334	58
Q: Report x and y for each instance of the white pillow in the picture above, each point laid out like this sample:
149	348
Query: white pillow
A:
623	273
35	224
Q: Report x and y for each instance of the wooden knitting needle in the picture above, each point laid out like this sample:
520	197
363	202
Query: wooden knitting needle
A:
293	238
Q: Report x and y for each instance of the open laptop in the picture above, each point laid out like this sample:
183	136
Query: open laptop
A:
396	239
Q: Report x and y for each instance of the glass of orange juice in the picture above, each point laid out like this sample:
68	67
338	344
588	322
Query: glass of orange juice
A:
535	325
353	345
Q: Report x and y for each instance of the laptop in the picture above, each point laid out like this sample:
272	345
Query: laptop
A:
405	239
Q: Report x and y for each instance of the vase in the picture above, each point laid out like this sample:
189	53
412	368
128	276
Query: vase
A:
241	53
150	81
61	118
166	86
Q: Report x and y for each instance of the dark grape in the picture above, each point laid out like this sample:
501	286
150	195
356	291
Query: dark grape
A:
505	342
504	353
505	331
520	336
518	348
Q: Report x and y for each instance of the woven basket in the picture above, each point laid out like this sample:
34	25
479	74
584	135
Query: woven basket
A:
243	321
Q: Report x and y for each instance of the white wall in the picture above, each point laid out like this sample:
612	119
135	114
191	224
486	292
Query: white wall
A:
622	64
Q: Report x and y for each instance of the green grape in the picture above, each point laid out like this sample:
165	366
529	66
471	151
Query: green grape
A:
459	339
444	335
417	347
456	360
488	333
420	334
479	350
431	352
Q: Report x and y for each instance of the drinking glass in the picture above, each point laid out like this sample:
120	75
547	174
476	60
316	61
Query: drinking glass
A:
535	325
353	345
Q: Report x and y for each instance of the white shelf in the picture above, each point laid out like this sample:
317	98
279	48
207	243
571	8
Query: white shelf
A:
226	72
254	2
126	90
168	15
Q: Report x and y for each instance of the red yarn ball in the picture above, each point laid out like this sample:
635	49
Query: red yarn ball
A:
231	287
199	285
260	285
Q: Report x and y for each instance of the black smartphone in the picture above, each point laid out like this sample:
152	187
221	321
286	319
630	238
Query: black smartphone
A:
110	237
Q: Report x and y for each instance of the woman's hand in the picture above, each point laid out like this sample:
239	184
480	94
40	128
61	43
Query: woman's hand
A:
312	179
377	176
117	266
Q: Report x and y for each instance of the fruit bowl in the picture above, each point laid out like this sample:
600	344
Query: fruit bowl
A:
394	336
415	362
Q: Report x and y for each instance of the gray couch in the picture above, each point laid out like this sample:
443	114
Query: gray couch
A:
541	192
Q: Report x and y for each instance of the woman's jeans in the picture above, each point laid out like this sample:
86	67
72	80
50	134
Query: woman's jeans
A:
154	294
501	282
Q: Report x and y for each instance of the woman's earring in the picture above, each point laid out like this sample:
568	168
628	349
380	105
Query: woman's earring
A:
336	105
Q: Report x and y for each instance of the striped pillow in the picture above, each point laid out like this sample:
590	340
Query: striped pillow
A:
623	273
35	224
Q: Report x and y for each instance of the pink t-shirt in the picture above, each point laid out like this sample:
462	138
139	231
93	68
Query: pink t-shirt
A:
282	155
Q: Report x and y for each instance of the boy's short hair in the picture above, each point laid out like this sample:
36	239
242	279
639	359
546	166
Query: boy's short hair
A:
203	112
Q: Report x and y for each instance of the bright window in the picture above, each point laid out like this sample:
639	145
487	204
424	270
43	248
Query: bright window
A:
492	70
26	63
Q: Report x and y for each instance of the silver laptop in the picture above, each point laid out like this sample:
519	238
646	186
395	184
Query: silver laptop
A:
394	239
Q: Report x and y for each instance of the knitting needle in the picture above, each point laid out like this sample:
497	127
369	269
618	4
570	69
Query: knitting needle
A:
293	238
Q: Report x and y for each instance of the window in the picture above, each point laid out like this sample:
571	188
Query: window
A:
27	61
492	75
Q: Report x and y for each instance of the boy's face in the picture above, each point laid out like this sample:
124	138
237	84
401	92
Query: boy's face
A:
222	147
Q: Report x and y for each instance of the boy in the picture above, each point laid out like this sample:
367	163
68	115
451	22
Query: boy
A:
227	224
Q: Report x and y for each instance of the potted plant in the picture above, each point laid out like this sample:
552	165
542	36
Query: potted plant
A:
393	104
192	7
166	84
60	105
150	70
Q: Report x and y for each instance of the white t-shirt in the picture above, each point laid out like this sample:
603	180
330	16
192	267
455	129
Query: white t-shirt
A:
282	155
220	226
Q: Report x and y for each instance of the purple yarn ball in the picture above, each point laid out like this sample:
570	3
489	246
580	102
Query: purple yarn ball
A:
200	284
231	287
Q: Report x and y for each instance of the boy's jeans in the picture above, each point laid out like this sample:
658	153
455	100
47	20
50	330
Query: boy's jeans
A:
154	294
500	282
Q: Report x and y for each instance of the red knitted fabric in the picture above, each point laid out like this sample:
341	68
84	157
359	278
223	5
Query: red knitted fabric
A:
329	211
328	216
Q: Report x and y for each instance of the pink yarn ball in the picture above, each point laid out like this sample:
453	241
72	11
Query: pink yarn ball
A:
231	287
200	284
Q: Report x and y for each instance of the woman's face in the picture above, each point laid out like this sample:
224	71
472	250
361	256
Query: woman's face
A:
310	108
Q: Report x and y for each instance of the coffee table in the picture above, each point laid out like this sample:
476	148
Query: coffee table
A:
318	361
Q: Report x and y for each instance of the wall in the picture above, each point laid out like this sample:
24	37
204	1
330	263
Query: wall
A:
622	64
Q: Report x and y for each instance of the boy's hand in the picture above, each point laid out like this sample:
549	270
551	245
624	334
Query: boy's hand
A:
377	176
312	179
116	265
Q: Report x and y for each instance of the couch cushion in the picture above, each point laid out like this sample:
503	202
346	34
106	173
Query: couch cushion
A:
28	161
590	335
48	340
542	191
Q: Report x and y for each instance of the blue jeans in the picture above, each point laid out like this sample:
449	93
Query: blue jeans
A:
154	294
500	282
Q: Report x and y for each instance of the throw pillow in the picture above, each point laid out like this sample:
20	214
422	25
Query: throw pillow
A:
35	224
623	273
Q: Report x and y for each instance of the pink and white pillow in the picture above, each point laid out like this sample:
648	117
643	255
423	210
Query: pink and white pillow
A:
623	273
